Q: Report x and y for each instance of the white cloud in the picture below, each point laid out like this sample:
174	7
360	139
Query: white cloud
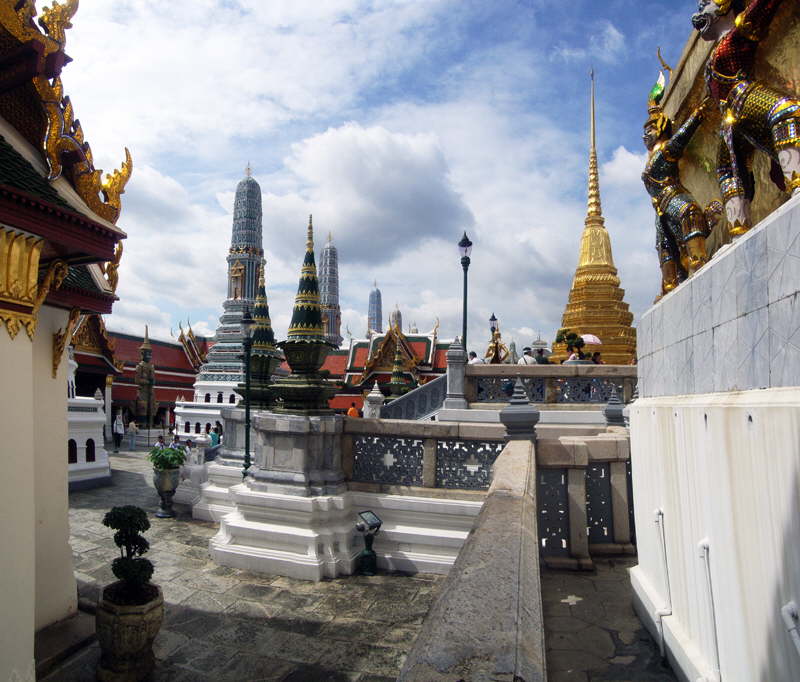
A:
606	44
625	168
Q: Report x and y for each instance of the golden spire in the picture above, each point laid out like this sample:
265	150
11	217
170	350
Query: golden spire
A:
146	342
261	281
596	302
310	238
595	210
248	171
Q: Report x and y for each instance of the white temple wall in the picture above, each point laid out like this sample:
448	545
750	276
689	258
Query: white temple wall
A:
715	449
18	558
56	595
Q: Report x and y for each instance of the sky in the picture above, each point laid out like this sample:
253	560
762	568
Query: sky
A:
399	124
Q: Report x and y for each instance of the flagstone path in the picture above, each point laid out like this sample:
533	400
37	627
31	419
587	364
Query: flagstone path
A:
227	624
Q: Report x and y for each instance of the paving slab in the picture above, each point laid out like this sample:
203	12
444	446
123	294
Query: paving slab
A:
226	624
591	631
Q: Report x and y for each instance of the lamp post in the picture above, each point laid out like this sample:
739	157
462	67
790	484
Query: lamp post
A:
248	327
465	247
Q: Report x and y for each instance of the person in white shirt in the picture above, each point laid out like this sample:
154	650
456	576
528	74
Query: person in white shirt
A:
474	359
527	357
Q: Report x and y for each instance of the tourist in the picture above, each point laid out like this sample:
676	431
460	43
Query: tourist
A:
160	444
474	359
132	431
353	411
176	442
118	430
527	357
214	435
540	358
597	359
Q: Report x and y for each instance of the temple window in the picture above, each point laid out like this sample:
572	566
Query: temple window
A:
90	450
187	428
197	427
232	399
219	397
72	451
208	397
208	428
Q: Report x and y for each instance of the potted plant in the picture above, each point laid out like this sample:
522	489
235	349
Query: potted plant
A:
130	611
167	464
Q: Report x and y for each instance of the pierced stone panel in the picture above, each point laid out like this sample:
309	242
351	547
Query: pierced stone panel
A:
500	389
465	464
553	502
631	516
587	390
598	504
384	459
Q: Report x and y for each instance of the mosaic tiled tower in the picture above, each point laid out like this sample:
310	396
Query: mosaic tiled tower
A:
596	304
329	293
375	314
223	370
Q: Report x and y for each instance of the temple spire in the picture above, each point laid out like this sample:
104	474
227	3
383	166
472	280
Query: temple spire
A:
310	237
595	210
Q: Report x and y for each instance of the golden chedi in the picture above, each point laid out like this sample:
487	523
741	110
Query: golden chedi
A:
596	304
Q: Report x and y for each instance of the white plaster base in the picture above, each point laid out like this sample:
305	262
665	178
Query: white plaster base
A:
725	469
85	419
312	538
213	499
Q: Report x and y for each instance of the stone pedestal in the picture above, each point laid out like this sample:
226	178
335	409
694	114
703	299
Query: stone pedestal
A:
456	377
208	484
291	515
86	419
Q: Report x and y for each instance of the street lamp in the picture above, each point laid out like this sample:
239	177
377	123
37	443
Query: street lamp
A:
465	247
248	327
493	324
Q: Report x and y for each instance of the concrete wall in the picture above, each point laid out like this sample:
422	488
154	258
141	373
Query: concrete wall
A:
56	592
17	560
37	586
725	468
715	445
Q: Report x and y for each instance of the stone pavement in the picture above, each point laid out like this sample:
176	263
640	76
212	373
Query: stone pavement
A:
591	630
227	624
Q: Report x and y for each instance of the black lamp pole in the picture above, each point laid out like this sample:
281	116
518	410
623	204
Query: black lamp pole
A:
465	246
247	341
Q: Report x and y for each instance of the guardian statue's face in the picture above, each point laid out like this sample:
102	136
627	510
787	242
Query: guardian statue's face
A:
706	20
651	136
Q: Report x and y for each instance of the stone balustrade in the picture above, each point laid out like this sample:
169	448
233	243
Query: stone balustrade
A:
554	384
487	622
585	504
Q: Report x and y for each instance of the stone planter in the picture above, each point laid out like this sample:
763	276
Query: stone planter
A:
166	482
126	635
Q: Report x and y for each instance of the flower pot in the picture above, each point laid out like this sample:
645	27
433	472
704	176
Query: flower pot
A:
166	482
126	635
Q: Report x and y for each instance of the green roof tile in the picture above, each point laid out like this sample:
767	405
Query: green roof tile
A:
16	172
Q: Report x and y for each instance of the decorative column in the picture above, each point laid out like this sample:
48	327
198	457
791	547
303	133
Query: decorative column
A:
373	403
456	377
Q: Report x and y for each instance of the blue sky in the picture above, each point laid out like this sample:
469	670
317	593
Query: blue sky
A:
398	123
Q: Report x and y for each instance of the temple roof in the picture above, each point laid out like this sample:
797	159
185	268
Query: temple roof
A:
16	172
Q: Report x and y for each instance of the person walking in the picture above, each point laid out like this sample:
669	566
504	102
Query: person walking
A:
118	431
214	435
527	357
540	357
132	431
353	411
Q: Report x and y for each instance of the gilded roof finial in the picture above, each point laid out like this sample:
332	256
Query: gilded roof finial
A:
146	342
310	238
248	171
330	236
261	281
595	210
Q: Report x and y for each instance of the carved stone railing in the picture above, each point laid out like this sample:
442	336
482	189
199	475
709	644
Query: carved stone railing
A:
380	453
420	403
556	384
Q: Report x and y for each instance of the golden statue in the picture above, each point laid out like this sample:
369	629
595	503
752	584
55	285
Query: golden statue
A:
681	225
754	116
496	353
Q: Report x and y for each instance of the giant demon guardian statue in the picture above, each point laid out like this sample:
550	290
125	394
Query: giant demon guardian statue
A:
754	116
681	225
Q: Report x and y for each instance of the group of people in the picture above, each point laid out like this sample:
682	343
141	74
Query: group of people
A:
175	443
539	358
119	431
